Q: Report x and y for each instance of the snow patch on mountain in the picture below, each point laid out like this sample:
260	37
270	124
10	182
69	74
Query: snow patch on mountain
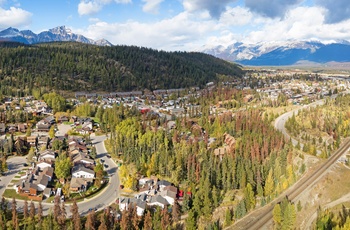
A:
60	33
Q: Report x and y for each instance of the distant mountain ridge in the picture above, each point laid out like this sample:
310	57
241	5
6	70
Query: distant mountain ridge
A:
283	53
57	34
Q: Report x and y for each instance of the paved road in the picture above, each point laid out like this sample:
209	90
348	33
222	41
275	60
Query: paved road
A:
106	197
14	164
281	120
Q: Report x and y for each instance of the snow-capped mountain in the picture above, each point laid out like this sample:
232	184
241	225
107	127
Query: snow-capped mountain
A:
283	53
60	33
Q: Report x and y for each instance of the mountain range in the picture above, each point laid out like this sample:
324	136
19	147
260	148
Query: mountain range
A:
283	53
60	33
261	54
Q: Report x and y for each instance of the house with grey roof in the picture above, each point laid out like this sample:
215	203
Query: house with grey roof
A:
159	201
126	202
80	171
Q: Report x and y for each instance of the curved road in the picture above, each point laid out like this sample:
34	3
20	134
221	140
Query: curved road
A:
262	217
105	198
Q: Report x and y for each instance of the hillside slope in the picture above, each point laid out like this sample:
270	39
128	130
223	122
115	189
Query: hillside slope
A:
76	67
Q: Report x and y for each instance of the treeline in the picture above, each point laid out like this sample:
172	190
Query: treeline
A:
32	217
81	67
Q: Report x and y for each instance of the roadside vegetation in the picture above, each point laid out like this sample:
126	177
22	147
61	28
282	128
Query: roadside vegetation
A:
322	127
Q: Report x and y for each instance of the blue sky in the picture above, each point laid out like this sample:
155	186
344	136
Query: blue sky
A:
184	24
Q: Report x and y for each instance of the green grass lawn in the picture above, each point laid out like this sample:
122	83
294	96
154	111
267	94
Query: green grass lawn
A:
11	193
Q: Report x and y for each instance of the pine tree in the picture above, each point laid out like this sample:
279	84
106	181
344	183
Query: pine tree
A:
228	217
32	210
14	212
62	217
277	216
125	222
147	223
103	225
2	221
25	209
156	220
90	221
269	184
56	208
249	197
40	212
175	212
75	216
165	221
191	221
134	217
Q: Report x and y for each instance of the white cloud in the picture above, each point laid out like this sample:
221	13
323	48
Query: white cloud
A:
14	17
301	23
192	30
271	8
237	16
88	8
151	6
214	7
182	32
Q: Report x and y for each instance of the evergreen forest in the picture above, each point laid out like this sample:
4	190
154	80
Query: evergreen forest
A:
69	66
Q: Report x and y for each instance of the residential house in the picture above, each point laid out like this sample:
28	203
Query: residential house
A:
47	192
145	180
80	184
48	171
12	128
79	147
42	182
31	140
26	187
159	201
80	171
126	202
87	126
50	120
44	164
43	141
62	119
46	155
43	127
22	127
82	158
169	193
162	184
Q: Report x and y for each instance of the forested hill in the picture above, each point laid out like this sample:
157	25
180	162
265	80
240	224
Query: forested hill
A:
81	67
